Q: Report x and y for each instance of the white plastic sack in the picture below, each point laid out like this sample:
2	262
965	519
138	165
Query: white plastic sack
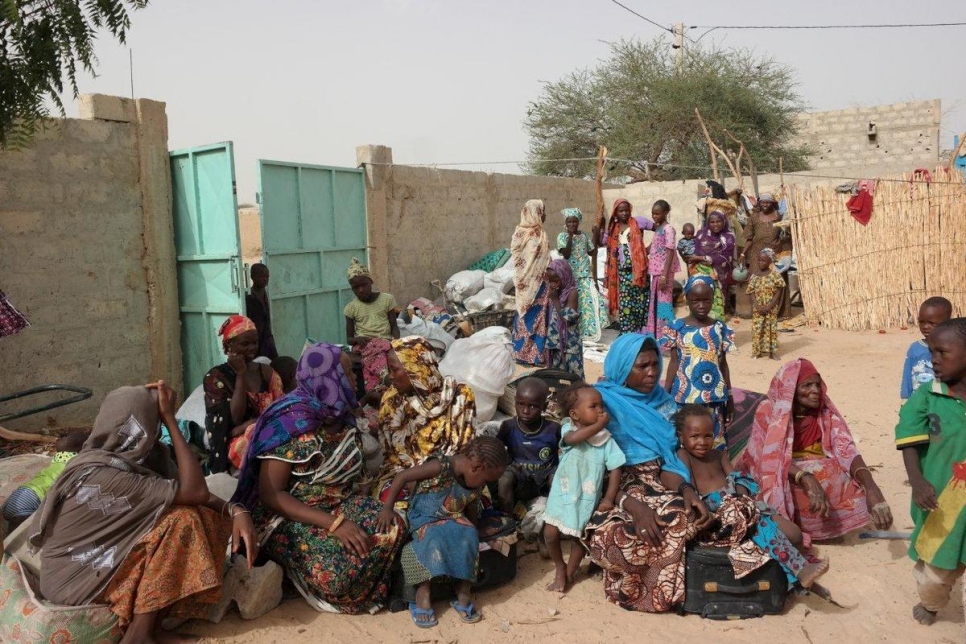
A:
485	299
424	329
464	284
501	278
484	361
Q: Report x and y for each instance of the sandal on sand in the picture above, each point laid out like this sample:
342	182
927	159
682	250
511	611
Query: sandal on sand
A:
416	612
468	613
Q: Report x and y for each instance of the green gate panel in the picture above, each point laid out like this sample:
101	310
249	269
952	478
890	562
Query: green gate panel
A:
313	224
210	277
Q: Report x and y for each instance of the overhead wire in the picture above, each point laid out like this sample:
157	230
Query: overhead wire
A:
656	24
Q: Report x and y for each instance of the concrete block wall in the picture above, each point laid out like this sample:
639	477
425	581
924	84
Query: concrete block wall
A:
87	253
907	137
427	223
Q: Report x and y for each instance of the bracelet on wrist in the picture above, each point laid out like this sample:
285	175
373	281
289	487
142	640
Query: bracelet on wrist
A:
335	524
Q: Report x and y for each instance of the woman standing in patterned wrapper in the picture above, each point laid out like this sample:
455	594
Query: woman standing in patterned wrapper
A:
580	251
627	279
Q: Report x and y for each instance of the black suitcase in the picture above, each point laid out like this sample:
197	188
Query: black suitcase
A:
495	570
712	591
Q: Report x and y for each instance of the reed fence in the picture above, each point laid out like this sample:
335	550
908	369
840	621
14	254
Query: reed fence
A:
857	277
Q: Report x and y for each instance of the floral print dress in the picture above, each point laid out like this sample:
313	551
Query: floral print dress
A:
325	466
764	328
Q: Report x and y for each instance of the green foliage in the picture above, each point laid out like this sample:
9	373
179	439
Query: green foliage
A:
43	44
642	109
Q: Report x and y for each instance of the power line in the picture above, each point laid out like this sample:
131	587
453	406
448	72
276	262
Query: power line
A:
626	8
891	26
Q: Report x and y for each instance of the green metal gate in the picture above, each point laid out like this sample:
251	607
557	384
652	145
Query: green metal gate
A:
313	224
210	273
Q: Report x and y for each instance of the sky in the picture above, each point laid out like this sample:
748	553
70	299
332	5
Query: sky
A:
449	81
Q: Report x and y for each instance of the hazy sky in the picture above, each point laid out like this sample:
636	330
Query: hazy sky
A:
444	81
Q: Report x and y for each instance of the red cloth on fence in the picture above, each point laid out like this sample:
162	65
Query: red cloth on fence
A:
860	206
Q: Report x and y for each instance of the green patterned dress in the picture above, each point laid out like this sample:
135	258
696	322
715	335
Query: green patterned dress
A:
325	466
593	315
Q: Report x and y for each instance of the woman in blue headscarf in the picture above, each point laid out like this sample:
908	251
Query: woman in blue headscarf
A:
640	543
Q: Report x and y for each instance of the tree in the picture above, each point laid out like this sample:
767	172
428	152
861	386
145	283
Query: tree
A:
638	105
42	44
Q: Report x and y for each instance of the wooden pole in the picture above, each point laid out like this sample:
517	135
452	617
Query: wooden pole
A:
599	184
711	147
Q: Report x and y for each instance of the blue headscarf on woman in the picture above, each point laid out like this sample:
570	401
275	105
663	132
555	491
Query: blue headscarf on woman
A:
641	431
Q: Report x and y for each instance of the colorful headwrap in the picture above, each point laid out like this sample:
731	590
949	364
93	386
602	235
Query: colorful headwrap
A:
767	196
699	279
566	274
768	252
233	327
357	269
530	254
572	212
323	396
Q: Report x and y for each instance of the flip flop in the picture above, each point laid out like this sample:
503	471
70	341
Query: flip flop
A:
415	611
468	613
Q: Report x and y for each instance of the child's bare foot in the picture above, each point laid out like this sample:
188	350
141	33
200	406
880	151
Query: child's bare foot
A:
811	572
560	582
923	615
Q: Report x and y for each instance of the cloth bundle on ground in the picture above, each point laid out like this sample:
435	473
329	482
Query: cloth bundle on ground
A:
464	284
487	298
484	361
501	278
424	329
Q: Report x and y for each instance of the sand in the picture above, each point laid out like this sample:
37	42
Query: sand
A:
863	372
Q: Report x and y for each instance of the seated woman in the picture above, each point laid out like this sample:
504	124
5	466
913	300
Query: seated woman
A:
423	414
124	526
640	543
236	392
298	480
803	455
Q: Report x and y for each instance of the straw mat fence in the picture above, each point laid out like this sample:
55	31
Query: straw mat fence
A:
856	277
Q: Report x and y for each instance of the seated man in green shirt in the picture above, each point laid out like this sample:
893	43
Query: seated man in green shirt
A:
25	500
372	314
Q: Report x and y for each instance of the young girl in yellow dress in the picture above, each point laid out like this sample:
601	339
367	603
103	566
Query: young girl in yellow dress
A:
766	289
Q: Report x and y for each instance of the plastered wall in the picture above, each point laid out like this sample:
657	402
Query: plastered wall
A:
426	223
87	253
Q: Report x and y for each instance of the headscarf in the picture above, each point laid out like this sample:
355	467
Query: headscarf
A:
357	269
637	252
233	327
769	252
640	429
529	251
707	280
767	196
566	274
768	456
323	396
572	212
107	498
720	247
435	420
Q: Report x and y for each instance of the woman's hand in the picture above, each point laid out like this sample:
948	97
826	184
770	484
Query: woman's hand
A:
924	495
696	508
353	538
729	413
387	519
243	531
662	282
878	508
237	362
605	506
647	523
817	500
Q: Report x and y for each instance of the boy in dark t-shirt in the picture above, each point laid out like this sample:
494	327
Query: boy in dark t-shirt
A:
533	443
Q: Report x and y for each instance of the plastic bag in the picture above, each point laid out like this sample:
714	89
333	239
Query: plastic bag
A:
424	329
464	284
501	278
484	361
485	299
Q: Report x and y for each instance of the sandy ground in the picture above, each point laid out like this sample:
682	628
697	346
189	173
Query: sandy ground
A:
862	371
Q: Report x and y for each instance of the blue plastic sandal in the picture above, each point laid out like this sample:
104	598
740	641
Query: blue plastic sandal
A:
468	613
415	612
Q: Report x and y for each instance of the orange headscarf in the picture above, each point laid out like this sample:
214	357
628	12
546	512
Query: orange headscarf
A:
233	327
638	256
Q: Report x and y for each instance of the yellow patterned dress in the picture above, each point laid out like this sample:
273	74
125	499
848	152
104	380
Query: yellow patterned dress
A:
764	328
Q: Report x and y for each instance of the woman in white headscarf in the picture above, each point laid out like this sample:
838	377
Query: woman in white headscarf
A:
535	328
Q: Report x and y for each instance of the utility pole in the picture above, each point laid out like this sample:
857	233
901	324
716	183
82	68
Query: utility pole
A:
678	46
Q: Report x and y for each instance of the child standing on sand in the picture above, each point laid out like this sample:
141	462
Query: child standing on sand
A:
917	369
698	370
766	289
587	452
932	437
721	487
